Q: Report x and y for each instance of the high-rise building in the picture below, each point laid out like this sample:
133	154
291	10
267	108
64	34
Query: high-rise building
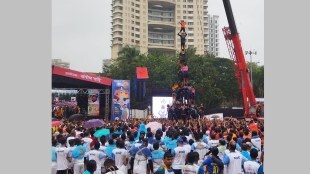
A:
212	46
152	25
205	26
60	63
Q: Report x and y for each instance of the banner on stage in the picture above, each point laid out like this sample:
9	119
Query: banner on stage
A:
121	99
215	116
93	102
159	106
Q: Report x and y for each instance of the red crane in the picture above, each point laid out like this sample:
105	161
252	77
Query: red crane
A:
241	72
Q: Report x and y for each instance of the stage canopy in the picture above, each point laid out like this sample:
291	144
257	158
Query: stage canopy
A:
67	78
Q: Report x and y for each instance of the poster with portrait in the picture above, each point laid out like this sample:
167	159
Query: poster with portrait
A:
120	99
159	105
93	102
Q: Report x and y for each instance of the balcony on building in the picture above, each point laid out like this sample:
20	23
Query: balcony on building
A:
117	3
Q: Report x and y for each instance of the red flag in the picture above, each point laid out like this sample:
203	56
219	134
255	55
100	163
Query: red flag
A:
142	73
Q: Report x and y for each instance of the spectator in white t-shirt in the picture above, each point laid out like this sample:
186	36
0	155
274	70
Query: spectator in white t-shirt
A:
252	166
87	140
96	155
61	156
120	156
234	160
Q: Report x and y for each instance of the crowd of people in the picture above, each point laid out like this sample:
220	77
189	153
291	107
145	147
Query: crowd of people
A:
64	109
193	146
186	143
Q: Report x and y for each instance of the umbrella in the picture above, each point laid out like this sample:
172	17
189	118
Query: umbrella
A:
56	123
76	117
101	132
154	126
93	123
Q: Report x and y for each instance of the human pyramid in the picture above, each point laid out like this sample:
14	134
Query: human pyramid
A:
183	93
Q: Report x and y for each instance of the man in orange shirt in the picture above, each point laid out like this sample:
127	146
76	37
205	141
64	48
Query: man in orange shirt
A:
253	126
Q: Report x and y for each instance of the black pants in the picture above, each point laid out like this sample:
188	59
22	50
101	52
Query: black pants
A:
61	171
182	29
182	45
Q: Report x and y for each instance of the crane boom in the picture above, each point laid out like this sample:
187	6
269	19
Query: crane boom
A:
236	53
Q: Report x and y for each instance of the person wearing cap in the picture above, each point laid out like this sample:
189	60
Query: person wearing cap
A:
252	165
141	158
179	154
213	162
233	160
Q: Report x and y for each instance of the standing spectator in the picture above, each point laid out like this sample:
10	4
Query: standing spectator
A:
240	139
200	147
71	136
110	167
109	149
213	141
141	157
214	163
87	140
71	161
96	155
157	156
222	148
78	157
54	159
253	126
244	151
252	165
256	141
233	160
179	154
186	144
91	166
166	168
61	157
191	167
120	156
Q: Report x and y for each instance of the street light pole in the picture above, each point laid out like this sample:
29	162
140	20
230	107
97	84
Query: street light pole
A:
250	53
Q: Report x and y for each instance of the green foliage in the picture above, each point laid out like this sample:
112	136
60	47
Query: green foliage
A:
212	77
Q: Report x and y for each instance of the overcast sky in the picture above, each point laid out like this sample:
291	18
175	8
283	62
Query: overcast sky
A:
81	30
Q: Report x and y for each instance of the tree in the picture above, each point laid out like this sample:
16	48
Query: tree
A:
212	77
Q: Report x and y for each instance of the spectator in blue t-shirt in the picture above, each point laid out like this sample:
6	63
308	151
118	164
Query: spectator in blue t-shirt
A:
244	151
213	162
